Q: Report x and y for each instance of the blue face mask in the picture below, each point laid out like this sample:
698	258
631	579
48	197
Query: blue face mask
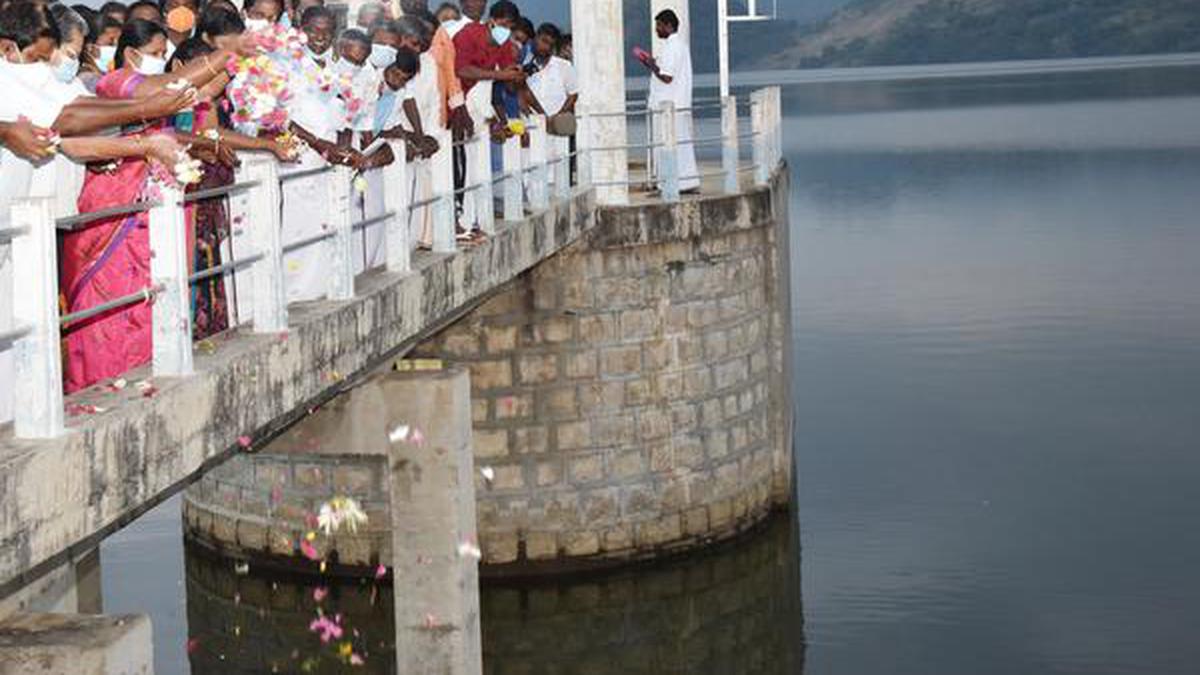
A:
501	34
285	20
382	56
66	70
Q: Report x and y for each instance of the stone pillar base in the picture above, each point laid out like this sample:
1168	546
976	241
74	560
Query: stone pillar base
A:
74	644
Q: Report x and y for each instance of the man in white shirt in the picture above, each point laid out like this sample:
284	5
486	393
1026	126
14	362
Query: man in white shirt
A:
671	80
354	51
554	85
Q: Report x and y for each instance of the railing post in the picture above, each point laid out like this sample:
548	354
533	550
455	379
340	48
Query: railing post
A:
442	168
562	166
172	311
397	186
341	262
37	386
485	207
268	294
758	114
773	100
514	192
729	148
668	155
583	158
539	197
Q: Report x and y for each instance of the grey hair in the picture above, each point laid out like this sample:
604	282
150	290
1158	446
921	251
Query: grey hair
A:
69	21
411	26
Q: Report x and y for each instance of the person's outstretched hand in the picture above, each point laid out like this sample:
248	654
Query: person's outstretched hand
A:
29	141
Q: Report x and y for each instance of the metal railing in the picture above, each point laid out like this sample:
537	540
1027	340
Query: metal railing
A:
530	178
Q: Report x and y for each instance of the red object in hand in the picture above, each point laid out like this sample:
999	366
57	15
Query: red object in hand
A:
642	55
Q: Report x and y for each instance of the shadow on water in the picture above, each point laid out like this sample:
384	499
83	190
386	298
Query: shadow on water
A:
734	610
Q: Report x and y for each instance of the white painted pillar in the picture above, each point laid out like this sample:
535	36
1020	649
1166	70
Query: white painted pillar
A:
37	383
514	181
268	294
539	157
397	186
172	312
730	148
340	262
442	167
599	27
485	208
685	21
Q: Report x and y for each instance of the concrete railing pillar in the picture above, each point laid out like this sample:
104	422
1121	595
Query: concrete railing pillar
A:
436	564
600	61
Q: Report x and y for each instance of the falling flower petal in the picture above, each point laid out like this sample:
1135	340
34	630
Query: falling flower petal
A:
380	571
309	551
356	660
193	645
489	473
468	549
241	568
245	442
319	593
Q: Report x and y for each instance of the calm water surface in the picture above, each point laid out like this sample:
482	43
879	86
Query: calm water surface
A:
997	383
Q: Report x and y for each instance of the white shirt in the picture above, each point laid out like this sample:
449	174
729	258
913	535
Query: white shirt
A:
41	106
365	83
396	116
320	113
674	62
554	84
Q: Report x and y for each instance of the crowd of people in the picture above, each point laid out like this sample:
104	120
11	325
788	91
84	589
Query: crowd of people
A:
97	102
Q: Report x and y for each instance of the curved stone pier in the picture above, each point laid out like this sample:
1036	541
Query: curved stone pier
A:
629	401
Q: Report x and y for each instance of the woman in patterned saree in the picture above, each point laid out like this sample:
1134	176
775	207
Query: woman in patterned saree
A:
110	258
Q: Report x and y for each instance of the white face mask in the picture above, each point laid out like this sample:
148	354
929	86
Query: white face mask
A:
254	25
382	56
151	65
67	69
105	60
347	67
318	57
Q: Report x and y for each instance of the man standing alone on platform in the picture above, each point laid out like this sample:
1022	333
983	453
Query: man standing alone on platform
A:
671	80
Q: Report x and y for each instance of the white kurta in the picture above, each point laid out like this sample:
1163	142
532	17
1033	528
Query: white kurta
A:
554	84
16	175
367	247
306	201
676	63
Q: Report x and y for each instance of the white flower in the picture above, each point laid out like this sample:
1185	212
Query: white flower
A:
468	549
340	511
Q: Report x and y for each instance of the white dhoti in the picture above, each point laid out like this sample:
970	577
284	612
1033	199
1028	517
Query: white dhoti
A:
685	154
368	244
306	214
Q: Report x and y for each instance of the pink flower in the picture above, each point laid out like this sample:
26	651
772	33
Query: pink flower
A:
329	630
308	550
245	442
319	593
380	572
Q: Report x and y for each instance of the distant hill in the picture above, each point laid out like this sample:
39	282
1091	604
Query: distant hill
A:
897	32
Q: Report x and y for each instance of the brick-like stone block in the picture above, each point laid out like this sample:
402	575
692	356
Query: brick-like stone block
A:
530	440
640	500
695	522
549	472
558	329
582	365
638	324
578	543
662	457
621	361
509	477
601	507
461	344
598	328
658	531
541	545
490	443
498	547
495	374
514	406
588	469
480	410
627	464
573	435
500	339
559	403
618	538
538	368
252	535
600	397
359	481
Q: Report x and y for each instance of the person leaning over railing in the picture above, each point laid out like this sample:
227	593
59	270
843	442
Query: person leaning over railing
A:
110	258
209	122
428	100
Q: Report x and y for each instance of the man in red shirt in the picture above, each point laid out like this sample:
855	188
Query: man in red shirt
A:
483	55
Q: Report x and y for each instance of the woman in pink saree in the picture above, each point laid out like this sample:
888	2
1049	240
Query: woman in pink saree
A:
109	259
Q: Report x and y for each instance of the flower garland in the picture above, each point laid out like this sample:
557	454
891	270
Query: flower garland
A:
260	91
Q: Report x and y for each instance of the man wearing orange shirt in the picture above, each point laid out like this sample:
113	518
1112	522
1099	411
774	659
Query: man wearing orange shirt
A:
443	53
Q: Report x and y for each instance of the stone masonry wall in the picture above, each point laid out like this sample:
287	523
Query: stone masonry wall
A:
630	392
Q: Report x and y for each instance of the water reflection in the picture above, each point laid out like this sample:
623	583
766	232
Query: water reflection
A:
731	611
